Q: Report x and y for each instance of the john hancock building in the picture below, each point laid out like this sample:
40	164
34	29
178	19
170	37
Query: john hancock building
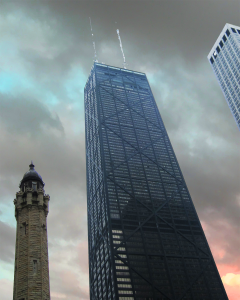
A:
225	61
145	238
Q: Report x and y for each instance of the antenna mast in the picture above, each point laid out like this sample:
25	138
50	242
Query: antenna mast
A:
124	60
94	47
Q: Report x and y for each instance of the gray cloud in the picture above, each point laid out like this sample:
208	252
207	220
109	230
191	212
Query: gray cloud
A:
169	40
8	236
162	28
24	116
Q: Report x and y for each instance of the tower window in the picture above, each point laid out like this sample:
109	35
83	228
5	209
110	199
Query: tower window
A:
224	38
221	44
34	266
228	32
218	49
34	185
24	228
233	30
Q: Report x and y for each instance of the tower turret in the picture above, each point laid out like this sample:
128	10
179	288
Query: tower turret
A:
31	275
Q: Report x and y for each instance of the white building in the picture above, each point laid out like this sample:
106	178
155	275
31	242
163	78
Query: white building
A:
224	58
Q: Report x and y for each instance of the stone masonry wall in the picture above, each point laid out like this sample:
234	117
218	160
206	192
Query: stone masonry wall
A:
31	276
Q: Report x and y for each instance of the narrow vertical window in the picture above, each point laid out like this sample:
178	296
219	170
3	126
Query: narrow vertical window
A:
24	228
34	186
34	266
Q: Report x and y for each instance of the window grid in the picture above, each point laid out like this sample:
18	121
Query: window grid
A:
143	227
225	63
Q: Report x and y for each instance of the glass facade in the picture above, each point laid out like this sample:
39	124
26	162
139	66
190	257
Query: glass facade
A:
225	61
145	239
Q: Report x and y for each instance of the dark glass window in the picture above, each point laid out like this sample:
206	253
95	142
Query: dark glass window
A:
221	44
218	49
233	30
224	38
238	31
228	32
211	60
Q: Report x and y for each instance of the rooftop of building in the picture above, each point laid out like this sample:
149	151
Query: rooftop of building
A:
227	26
32	174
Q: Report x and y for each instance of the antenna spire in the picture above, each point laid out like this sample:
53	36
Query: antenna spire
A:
94	46
124	60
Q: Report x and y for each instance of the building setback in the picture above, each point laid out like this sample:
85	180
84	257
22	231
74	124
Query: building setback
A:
225	61
145	239
31	274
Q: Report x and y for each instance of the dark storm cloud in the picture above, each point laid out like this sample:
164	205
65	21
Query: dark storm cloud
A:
213	183
206	141
7	185
156	29
170	41
7	241
61	165
26	116
205	138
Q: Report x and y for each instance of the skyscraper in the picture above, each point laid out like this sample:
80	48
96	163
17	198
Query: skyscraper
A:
145	239
225	61
31	275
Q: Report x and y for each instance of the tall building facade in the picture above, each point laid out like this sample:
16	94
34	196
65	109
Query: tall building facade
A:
31	275
225	61
145	238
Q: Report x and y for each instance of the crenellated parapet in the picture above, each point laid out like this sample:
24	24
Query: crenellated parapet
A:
30	198
46	200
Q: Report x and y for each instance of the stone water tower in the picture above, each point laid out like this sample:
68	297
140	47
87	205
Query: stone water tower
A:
31	274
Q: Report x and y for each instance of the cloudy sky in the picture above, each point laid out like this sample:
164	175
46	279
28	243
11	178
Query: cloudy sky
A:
45	57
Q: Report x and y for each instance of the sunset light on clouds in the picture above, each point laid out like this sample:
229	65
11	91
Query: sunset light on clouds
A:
45	57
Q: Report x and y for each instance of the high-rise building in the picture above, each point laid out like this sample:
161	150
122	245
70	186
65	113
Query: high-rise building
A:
225	61
145	239
31	275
